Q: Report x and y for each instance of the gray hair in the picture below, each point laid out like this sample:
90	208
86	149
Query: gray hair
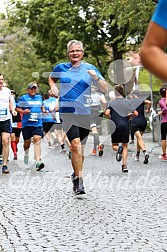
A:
73	43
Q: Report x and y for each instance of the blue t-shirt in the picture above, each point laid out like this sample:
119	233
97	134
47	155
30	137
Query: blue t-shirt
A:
160	14
33	103
49	104
75	87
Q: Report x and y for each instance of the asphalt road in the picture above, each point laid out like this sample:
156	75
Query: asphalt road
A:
120	212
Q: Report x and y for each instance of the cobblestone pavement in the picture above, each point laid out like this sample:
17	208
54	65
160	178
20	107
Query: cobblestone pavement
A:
120	212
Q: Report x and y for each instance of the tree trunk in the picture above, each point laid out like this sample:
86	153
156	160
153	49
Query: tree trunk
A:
119	76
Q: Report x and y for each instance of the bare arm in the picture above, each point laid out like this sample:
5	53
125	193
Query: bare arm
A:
12	108
152	51
103	101
21	111
107	113
102	84
148	103
53	89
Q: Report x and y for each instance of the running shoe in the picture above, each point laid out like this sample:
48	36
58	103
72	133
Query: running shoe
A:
124	168
49	145
5	169
72	176
135	156
69	154
78	187
119	153
146	158
163	157
100	149
26	158
15	157
63	151
131	142
55	143
39	166
93	152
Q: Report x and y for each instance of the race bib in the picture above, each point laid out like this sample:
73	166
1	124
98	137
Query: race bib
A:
14	125
88	100
3	112
33	117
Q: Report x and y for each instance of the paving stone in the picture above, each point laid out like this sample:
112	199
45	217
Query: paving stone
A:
121	212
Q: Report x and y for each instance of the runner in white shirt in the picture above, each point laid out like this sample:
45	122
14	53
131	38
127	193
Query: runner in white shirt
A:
6	106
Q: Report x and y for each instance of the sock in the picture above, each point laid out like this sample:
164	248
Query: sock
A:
14	147
96	140
62	146
144	152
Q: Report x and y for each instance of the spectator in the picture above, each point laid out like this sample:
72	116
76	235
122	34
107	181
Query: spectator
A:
163	114
6	106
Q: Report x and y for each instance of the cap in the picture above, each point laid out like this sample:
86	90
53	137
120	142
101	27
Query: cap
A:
162	91
31	85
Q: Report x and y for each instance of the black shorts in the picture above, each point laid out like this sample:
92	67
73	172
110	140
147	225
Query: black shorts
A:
121	134
138	124
47	126
163	130
17	131
119	138
5	126
30	131
78	132
70	119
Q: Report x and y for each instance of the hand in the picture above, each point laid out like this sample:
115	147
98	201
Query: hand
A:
93	74
14	112
27	111
130	115
54	91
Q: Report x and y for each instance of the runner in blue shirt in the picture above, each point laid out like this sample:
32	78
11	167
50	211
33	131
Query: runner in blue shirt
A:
75	78
152	50
30	106
52	122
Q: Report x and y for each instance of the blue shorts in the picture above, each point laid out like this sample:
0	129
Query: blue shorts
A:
5	126
30	131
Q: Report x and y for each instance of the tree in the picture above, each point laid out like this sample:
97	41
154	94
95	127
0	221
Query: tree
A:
100	24
19	62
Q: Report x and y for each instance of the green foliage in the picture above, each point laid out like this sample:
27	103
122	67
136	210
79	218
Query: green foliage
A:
146	78
49	25
20	64
96	22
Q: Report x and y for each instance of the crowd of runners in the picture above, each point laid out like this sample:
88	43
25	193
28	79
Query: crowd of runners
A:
71	109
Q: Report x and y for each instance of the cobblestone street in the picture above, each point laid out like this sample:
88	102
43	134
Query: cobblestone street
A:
120	212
